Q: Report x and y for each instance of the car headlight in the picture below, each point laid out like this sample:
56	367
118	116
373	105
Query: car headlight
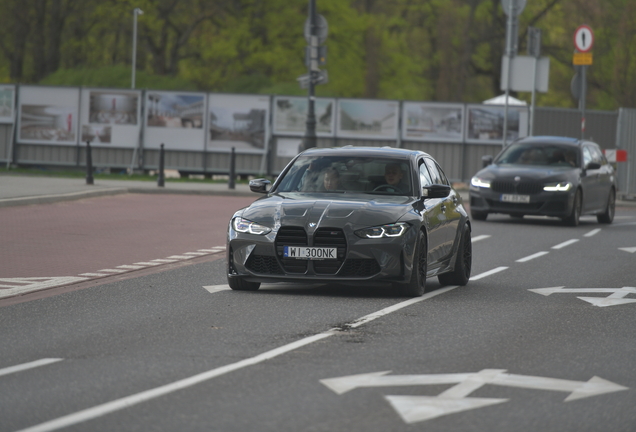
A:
557	187
480	183
389	230
247	226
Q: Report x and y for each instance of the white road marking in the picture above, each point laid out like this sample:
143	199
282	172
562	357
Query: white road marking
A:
628	249
211	250
94	274
129	401
488	273
13	286
30	365
593	232
160	260
112	270
533	256
615	298
481	237
217	288
195	253
180	257
130	267
420	408
565	243
148	263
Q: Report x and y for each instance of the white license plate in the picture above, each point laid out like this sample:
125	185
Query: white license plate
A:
310	253
515	198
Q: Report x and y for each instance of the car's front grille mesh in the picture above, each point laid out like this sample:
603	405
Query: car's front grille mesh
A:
511	187
263	264
360	268
330	237
291	236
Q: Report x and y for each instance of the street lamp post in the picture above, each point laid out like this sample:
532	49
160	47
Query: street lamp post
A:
136	12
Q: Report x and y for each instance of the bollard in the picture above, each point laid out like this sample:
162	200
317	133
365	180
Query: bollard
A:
161	178
89	164
230	183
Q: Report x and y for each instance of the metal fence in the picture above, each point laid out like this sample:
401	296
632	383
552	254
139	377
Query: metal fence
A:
460	160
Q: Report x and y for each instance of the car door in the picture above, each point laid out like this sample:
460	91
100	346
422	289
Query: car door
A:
433	218
449	216
590	181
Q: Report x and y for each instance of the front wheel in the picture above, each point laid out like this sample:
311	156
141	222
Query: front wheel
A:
478	215
463	262
573	218
607	217
416	287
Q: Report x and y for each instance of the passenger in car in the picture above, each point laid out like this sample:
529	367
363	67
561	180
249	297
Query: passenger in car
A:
331	179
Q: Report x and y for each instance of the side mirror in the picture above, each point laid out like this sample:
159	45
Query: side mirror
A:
260	185
486	160
593	166
436	191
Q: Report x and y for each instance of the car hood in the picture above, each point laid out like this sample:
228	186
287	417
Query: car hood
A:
535	173
327	210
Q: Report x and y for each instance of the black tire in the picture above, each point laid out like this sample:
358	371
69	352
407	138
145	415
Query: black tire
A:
416	287
240	284
235	283
607	217
463	263
573	219
477	215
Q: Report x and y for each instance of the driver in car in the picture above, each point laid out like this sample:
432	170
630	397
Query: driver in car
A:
393	175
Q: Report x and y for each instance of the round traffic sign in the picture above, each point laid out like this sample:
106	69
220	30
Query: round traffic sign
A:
518	5
322	31
583	38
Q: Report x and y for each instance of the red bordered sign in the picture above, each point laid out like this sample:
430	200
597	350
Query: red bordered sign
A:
583	38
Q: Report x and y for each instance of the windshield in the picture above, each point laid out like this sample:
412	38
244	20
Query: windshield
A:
337	174
539	155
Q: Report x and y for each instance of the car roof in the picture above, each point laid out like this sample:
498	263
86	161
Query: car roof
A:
561	140
355	151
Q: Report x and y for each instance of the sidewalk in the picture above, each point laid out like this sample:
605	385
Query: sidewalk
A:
24	189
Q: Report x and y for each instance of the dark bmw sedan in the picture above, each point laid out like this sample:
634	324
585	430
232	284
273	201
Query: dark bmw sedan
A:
355	216
548	176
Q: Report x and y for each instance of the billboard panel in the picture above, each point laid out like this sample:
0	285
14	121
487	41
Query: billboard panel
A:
290	116
48	115
370	119
484	123
174	119
239	121
432	122
7	102
110	118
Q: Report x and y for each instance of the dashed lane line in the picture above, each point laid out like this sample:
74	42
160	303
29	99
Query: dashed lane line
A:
533	256
29	365
593	232
565	243
478	238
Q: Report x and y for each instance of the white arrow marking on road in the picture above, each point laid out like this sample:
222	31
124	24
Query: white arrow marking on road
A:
217	288
13	286
419	408
615	298
628	249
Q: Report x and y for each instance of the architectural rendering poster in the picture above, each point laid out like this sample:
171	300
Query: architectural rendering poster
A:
290	115
238	121
48	115
175	119
432	122
110	118
7	102
484	123
371	119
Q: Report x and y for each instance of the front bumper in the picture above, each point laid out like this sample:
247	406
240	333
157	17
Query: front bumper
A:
360	261
556	204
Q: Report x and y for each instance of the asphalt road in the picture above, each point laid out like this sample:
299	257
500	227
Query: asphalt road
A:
168	347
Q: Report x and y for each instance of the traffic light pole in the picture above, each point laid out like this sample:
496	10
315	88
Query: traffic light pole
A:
309	140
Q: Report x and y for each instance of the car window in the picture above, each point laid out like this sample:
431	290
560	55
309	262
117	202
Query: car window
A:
437	175
341	174
539	154
425	176
597	155
587	156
